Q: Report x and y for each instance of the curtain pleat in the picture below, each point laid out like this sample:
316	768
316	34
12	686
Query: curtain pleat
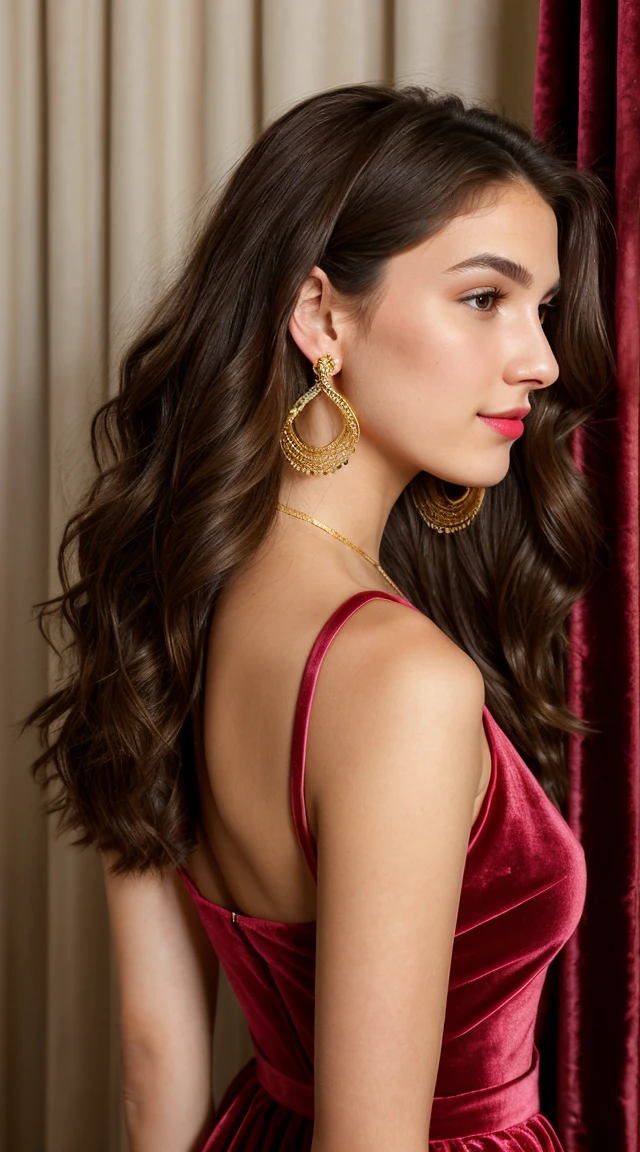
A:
76	69
118	121
232	97
23	572
587	99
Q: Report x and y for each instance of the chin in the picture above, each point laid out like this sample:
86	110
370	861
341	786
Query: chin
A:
478	478
489	479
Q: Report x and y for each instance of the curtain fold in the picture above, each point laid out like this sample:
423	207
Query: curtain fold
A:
587	99
118	121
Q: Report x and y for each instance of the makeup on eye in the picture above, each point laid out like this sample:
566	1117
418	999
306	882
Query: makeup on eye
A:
493	294
511	269
497	294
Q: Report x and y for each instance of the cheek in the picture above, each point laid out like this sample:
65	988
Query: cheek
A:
426	351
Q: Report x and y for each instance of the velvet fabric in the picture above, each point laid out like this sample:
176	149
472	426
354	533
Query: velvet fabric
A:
522	896
587	103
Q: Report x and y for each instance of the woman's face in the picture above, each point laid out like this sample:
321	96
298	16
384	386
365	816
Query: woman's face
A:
457	333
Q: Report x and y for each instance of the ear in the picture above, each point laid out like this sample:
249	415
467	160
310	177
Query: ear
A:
313	324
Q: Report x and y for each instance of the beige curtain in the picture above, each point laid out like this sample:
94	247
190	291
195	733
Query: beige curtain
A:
117	118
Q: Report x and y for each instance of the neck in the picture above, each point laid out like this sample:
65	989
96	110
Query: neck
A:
355	501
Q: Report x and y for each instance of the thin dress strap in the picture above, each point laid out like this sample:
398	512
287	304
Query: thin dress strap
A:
303	712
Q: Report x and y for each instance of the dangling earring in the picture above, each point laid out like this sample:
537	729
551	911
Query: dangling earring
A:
438	510
328	457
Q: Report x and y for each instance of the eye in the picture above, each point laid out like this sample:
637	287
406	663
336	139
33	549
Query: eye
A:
488	296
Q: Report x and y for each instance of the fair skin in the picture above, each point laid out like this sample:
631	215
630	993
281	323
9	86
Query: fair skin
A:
397	758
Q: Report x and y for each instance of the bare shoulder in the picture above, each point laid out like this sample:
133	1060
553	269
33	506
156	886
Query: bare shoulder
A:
399	634
392	679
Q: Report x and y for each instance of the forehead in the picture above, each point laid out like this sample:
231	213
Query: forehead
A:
512	220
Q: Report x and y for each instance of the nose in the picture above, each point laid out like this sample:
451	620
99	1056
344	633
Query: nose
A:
531	359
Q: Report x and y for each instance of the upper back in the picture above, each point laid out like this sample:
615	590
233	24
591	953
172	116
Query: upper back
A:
264	656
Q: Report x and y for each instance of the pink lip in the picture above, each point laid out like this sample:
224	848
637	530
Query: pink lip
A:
511	414
511	428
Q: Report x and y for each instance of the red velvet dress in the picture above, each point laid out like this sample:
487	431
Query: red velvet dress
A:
522	895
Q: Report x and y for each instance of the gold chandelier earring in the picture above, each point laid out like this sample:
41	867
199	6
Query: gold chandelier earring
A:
327	458
438	510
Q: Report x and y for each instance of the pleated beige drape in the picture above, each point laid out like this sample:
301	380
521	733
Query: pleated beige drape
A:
118	120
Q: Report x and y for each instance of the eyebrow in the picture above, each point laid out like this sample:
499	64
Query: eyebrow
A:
509	268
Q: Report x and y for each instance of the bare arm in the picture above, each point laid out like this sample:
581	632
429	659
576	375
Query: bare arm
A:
168	979
395	773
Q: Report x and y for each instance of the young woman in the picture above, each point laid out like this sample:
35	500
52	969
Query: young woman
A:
336	510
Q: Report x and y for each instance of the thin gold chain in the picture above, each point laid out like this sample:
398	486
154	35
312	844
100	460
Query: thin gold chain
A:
332	532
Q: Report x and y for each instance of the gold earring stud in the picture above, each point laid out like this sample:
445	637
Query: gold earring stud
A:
320	461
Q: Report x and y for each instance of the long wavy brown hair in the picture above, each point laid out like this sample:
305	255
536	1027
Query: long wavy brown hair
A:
189	464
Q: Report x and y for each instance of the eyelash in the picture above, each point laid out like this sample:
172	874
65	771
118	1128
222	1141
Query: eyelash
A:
496	294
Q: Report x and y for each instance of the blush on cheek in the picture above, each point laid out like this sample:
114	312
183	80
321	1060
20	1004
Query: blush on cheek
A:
424	347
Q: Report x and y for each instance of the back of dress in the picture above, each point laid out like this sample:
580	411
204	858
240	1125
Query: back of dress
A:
522	895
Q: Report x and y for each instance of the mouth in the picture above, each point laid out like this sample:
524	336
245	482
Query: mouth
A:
507	424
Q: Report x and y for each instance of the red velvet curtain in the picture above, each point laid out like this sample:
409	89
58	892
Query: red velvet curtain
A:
587	100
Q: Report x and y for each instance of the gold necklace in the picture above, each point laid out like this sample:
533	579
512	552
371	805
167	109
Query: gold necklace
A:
332	532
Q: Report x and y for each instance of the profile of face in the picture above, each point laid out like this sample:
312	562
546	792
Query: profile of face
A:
456	332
